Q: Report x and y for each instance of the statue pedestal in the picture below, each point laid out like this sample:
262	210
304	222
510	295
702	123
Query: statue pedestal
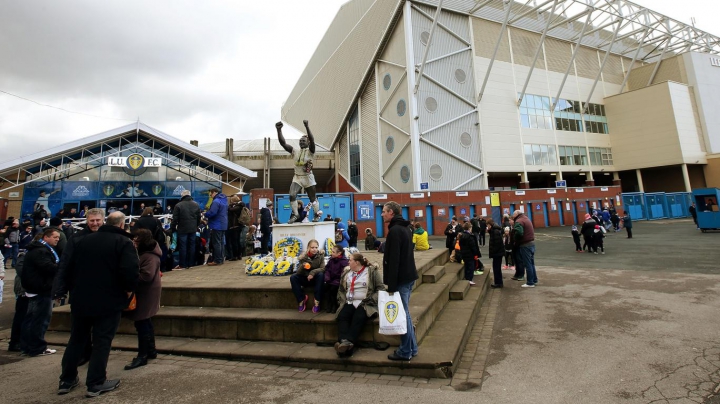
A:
319	231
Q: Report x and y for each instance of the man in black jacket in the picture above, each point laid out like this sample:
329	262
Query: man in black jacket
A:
185	221
102	272
399	272
39	269
266	222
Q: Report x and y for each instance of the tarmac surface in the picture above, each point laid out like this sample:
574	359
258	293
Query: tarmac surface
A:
636	325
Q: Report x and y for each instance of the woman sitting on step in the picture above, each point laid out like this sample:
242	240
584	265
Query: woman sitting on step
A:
357	299
311	267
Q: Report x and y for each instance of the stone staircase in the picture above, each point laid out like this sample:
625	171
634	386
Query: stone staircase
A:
221	312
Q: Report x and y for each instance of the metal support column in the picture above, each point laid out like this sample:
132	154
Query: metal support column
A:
632	63
686	178
508	4
572	60
427	46
638	173
602	65
657	65
537	52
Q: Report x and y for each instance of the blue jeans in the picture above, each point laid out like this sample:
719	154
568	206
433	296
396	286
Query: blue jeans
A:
15	249
297	282
35	325
527	257
186	249
217	241
408	344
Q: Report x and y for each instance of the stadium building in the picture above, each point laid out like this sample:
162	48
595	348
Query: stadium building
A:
464	94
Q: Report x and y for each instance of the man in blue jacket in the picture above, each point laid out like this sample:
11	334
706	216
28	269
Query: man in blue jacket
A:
218	224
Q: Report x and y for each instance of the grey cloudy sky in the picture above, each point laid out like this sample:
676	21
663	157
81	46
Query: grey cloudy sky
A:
195	70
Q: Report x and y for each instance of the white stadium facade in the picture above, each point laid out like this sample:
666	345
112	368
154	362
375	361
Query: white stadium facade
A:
465	94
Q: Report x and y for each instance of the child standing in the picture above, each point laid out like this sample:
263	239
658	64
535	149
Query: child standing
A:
576	239
598	235
508	244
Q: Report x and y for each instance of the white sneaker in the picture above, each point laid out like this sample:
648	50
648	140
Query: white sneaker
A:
472	283
47	352
603	252
527	286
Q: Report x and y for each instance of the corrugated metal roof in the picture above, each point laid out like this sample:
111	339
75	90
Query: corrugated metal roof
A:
65	148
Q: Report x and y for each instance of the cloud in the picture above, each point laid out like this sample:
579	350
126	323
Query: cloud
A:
196	70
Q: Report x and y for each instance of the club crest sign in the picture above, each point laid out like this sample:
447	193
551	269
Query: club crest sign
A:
134	162
156	189
108	190
391	311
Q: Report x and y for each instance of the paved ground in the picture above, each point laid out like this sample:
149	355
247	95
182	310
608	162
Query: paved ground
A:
637	325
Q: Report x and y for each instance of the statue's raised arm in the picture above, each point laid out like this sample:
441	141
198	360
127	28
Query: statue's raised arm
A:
311	139
281	138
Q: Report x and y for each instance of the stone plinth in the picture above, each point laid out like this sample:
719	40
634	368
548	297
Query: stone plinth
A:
319	231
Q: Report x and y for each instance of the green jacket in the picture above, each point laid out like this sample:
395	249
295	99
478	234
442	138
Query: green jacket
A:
375	283
317	264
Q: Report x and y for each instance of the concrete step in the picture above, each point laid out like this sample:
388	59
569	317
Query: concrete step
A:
257	292
433	274
451	330
440	349
268	324
459	290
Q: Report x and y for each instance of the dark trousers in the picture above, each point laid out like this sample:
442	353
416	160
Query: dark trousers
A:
519	269
330	292
232	242
351	322
146	338
264	242
21	307
217	244
587	242
598	244
469	268
37	320
482	239
298	282
497	270
509	259
577	244
186	249
102	329
629	231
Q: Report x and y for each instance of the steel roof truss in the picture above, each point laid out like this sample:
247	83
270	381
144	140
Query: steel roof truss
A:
537	53
438	10
497	46
446	88
576	48
441	25
602	66
451	154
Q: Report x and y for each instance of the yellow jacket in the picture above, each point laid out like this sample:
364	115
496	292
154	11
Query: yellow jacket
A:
421	241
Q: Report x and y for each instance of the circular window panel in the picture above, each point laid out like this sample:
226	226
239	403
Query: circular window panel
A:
424	37
436	172
390	144
401	107
405	174
460	75
387	81
465	139
431	104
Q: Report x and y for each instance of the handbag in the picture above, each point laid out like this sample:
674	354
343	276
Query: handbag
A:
132	305
392	314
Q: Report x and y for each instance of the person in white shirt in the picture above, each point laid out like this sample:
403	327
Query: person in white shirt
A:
357	301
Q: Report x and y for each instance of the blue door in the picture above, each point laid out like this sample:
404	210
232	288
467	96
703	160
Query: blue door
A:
545	211
406	212
343	207
451	212
379	225
429	216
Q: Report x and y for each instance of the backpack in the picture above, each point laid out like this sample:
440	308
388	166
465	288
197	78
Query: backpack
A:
338	236
245	218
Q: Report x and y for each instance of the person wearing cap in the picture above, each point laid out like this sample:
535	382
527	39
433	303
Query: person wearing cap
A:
587	230
266	221
598	234
303	178
525	244
217	217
